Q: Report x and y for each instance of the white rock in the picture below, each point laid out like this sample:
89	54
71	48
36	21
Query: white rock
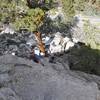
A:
8	29
51	49
66	39
48	41
69	45
64	42
75	40
57	39
61	44
58	34
55	49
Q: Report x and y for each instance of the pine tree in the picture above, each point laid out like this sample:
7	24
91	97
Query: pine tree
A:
20	15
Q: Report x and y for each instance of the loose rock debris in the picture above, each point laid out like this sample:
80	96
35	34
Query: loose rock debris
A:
34	45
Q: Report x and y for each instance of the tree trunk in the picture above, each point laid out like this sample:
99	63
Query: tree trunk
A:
41	45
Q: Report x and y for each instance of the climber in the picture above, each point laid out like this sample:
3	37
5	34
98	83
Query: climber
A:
36	56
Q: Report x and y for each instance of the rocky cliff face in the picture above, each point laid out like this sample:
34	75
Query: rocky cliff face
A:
21	79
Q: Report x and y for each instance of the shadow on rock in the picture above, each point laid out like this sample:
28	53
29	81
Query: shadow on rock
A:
85	59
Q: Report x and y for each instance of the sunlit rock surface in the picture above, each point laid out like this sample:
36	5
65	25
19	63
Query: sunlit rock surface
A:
61	44
7	29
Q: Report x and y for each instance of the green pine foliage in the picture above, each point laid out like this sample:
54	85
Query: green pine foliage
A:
32	20
20	15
